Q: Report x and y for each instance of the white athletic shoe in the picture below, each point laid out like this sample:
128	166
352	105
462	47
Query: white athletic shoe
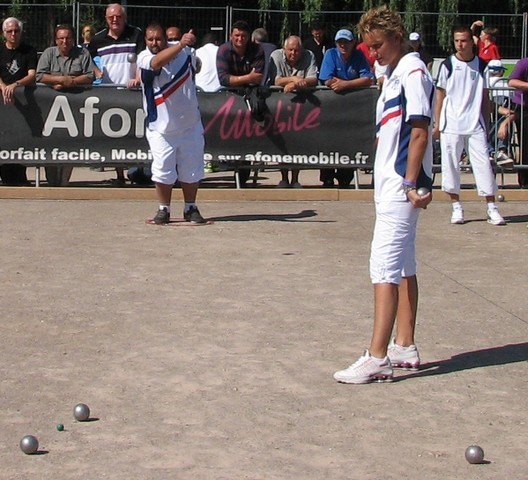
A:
457	217
367	369
502	159
406	358
494	217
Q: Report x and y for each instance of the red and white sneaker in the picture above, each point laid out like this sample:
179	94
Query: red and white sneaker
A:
367	369
406	358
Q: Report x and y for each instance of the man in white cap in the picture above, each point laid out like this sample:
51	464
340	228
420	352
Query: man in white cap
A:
502	114
415	41
344	68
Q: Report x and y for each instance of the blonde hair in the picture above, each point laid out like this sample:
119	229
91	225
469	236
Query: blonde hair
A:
383	19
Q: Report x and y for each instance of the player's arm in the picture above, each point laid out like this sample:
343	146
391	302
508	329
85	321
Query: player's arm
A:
486	109
416	152
439	101
165	56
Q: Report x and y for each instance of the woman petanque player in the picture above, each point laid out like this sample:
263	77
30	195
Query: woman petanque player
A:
403	163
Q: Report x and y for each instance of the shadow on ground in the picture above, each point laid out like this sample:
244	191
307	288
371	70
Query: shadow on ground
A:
488	357
270	217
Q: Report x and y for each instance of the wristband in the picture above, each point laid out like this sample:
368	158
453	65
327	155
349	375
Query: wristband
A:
408	188
408	183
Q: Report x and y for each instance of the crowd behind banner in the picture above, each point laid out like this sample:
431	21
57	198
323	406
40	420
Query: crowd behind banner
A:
106	125
333	127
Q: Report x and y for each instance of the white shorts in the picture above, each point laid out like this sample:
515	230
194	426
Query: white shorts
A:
476	147
392	254
177	156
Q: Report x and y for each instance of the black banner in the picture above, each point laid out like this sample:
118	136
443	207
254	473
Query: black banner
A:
106	125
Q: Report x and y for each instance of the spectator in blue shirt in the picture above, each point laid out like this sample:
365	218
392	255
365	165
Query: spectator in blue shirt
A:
343	68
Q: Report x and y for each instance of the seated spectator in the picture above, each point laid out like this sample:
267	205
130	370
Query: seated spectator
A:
294	69
502	115
240	62
62	67
415	41
344	68
18	62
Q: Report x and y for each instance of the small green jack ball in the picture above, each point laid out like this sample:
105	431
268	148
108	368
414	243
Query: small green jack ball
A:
60	427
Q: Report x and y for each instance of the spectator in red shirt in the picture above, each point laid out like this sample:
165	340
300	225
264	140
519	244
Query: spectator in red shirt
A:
368	54
486	42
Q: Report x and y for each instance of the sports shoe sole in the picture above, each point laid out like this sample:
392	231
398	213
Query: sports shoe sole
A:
406	366
381	378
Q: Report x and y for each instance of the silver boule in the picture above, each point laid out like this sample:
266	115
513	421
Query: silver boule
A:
500	198
81	412
422	191
131	58
474	454
29	444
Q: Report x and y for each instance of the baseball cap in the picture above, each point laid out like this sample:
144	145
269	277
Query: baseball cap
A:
344	34
495	65
414	37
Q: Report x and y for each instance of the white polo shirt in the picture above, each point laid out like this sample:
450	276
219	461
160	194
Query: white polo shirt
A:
169	94
407	95
464	84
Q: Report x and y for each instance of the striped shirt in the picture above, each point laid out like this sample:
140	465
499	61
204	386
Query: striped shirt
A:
407	95
169	94
116	54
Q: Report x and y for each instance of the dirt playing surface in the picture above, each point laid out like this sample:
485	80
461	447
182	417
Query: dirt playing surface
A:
208	353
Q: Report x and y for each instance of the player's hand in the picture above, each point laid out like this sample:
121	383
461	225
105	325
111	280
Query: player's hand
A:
188	39
436	133
418	201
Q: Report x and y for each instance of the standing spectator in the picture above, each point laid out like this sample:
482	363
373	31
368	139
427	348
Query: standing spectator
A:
318	43
260	36
519	80
207	77
461	122
173	34
415	41
240	62
344	68
118	46
294	69
486	42
18	62
404	160
174	127
64	66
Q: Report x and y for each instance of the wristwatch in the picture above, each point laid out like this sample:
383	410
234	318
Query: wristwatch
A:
408	188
